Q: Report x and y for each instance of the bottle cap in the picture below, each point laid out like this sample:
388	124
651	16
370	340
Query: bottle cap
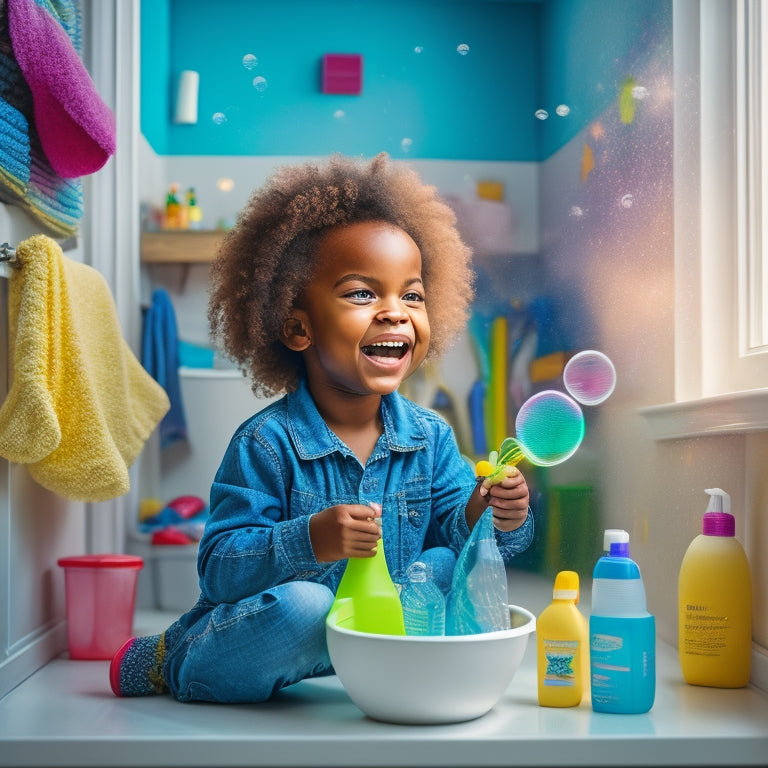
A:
417	572
717	520
566	586
616	542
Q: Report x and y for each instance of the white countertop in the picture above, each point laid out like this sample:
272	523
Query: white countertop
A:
66	715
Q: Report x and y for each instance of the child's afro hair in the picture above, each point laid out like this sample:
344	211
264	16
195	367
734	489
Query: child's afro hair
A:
266	260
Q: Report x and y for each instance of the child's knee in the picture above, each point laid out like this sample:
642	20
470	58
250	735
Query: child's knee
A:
311	600
440	562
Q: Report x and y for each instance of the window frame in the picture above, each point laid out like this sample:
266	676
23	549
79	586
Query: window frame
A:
721	354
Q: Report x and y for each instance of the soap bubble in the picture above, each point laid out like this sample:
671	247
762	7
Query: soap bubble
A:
260	83
462	49
406	144
339	114
418	49
590	377
550	427
250	61
563	110
219	118
627	201
541	114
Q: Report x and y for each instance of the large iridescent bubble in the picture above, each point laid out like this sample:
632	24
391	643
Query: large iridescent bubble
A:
590	377
549	427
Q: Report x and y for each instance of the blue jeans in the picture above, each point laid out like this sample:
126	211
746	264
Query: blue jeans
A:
247	651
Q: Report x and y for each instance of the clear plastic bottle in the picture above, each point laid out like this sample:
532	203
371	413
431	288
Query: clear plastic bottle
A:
715	602
622	633
562	645
423	603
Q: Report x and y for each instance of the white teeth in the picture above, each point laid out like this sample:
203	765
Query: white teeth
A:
388	344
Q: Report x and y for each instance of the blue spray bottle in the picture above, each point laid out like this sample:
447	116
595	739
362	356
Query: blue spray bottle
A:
622	634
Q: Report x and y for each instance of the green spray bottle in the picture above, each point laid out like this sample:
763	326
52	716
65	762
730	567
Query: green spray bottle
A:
367	599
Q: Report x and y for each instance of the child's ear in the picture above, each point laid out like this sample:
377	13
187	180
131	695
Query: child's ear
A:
295	334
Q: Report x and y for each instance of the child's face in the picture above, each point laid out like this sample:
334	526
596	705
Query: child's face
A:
364	310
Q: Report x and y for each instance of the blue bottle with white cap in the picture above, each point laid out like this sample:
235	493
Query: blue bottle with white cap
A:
622	633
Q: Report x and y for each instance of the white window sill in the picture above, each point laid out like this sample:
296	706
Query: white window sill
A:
733	413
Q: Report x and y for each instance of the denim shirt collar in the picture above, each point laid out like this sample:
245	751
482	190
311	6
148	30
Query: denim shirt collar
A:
403	429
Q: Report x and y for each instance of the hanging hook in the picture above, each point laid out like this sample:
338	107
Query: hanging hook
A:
8	254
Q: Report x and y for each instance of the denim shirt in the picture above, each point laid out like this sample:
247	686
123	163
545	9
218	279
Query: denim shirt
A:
284	464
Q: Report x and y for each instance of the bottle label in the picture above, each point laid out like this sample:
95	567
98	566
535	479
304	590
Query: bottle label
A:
559	655
622	664
705	632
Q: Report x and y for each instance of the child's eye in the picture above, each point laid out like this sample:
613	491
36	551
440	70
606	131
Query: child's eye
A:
360	294
413	297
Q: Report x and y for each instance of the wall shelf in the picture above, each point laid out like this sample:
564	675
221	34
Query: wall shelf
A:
180	246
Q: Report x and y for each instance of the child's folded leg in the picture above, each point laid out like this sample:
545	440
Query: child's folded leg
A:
247	651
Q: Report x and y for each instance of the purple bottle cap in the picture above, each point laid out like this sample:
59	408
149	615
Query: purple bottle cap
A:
619	549
718	524
718	520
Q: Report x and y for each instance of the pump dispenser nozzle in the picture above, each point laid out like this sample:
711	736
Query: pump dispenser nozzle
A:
719	500
718	520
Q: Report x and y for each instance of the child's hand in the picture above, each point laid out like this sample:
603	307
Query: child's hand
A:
509	499
345	530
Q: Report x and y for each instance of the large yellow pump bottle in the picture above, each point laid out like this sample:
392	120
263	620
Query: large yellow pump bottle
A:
715	602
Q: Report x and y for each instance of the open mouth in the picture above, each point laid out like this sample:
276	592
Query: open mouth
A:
396	349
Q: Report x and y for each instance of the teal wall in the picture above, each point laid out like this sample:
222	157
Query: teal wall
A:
523	56
588	48
155	72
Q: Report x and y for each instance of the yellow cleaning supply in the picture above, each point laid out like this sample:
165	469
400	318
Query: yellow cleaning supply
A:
173	213
194	212
368	588
562	645
715	602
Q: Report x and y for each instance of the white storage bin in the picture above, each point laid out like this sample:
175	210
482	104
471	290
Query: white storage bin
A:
176	584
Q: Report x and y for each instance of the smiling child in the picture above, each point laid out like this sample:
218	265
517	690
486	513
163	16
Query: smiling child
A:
334	286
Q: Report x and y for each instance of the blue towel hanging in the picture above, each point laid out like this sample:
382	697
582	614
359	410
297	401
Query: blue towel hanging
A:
160	357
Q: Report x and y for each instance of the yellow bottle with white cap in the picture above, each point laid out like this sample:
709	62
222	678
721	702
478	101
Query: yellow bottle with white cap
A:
563	645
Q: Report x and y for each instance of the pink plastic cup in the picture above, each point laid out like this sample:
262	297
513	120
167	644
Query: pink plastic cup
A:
100	597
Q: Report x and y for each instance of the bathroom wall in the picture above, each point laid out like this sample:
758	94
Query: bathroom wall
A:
445	79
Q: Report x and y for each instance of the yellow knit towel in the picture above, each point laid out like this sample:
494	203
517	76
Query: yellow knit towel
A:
80	406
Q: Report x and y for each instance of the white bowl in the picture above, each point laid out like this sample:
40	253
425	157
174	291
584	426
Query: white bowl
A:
426	680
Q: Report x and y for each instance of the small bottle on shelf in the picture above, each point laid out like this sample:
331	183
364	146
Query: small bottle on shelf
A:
194	212
172	208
